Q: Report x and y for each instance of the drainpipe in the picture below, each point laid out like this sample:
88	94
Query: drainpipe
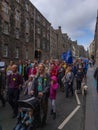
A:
34	32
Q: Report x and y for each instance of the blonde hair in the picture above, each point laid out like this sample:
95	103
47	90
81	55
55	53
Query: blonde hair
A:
68	69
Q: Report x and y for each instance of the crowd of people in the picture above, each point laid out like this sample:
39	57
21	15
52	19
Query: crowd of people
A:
40	80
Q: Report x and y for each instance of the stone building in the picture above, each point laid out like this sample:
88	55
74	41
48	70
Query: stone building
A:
26	34
75	50
82	52
67	43
60	42
96	39
92	49
53	43
24	31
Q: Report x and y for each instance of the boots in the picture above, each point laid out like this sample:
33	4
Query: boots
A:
51	112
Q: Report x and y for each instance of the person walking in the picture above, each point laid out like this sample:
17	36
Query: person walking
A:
68	81
41	90
79	77
53	91
1	88
61	72
15	81
96	78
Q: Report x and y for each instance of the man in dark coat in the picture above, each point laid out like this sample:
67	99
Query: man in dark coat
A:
1	87
15	81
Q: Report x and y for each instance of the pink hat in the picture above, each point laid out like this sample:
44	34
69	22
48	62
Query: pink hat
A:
54	78
32	76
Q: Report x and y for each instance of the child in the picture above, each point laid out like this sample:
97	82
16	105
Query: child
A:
25	121
53	88
28	85
20	117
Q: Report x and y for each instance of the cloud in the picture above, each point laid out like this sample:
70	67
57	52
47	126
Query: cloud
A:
76	17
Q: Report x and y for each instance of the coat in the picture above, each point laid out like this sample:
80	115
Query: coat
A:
53	89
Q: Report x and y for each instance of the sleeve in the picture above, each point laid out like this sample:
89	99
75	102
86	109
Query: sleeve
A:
30	120
46	84
95	73
20	78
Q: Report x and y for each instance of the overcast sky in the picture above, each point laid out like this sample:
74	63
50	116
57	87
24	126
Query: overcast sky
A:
76	17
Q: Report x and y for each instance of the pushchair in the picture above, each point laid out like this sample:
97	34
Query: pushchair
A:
27	103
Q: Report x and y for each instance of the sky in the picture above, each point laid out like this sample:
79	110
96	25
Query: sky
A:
77	18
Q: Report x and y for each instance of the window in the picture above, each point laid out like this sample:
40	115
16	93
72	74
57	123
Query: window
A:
27	37
38	43
38	17
17	33
48	36
17	52
27	7
43	46
48	28
27	54
6	28
27	25
44	34
17	24
38	30
17	15
48	48
27	22
18	1
6	7
5	51
44	23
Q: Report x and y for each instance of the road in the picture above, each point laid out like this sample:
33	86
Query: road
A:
69	111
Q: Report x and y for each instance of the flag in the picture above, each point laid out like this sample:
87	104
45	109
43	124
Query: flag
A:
69	57
63	56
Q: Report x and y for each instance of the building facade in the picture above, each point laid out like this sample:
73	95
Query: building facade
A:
53	43
26	34
24	31
92	49
96	39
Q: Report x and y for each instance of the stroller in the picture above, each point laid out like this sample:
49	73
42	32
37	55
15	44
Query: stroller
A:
30	103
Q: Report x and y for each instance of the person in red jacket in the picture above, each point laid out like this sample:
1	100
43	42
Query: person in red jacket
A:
53	70
32	70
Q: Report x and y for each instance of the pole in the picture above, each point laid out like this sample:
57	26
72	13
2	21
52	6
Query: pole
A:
34	33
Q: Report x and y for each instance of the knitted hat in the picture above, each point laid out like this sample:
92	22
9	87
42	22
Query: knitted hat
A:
54	78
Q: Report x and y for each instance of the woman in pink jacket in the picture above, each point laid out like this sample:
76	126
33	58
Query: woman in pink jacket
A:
53	91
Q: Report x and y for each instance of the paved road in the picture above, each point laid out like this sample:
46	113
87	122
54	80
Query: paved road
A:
91	122
64	107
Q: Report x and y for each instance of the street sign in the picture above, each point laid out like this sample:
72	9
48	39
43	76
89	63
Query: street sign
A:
2	65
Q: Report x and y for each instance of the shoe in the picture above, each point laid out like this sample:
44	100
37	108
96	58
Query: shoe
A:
43	124
54	116
3	105
14	116
51	112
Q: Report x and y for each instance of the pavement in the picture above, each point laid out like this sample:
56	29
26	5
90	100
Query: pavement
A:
91	115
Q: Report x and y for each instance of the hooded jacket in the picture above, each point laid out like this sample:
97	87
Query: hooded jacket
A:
53	88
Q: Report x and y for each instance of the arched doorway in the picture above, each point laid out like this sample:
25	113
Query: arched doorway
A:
38	54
